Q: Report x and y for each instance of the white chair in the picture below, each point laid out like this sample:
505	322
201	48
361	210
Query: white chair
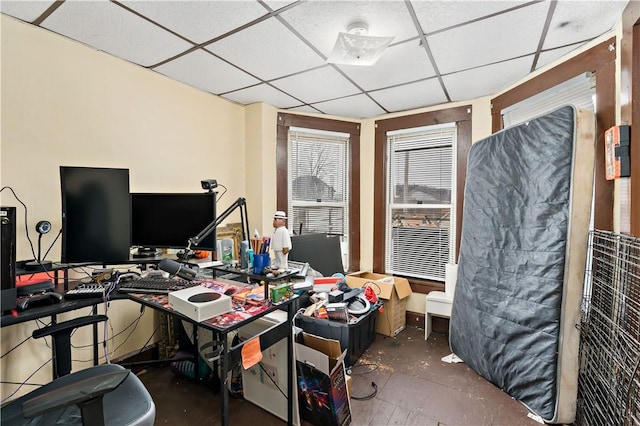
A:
439	303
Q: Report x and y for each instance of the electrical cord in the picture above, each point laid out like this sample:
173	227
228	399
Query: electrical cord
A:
52	244
374	392
26	382
223	192
272	381
372	395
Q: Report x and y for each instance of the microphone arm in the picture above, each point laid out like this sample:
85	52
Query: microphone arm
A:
239	203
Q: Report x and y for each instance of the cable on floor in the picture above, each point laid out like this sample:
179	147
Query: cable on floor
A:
373	393
372	367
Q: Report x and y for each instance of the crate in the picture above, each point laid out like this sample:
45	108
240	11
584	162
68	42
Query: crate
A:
355	337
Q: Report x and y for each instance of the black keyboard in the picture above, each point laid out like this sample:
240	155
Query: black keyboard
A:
156	285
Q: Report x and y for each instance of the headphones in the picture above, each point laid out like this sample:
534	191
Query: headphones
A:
359	305
370	293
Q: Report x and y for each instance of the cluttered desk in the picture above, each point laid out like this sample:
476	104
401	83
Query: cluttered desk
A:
220	307
246	305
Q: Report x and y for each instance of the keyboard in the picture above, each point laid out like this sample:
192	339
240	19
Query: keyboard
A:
85	291
155	285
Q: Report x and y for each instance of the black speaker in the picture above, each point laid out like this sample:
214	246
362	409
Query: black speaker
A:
8	255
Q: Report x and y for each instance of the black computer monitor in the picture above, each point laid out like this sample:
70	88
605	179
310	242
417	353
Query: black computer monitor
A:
96	214
168	220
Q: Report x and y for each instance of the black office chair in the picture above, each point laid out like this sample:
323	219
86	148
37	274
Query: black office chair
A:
106	394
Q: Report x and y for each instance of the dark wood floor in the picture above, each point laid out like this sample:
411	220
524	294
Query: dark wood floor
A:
414	388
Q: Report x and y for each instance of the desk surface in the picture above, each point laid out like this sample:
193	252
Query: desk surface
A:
46	311
241	313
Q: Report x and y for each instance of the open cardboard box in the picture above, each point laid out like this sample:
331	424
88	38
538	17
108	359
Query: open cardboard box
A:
394	293
322	385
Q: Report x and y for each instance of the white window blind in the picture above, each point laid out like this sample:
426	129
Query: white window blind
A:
420	220
578	91
319	182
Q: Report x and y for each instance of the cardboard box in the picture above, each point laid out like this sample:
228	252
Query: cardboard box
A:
394	293
322	384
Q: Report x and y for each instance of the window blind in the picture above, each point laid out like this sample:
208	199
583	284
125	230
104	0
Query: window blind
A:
578	91
420	224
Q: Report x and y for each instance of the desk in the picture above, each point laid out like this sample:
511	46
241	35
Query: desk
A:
223	324
52	311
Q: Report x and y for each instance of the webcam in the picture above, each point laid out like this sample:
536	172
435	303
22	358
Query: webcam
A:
209	184
43	227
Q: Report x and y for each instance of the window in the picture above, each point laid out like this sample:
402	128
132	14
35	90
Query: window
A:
436	153
318	182
328	198
420	219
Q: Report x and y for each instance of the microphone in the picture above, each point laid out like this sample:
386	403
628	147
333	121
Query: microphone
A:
177	268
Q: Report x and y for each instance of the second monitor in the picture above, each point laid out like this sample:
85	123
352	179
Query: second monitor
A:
168	220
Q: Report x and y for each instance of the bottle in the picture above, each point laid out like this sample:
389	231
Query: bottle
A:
250	259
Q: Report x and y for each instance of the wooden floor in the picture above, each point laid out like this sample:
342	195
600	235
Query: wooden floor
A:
414	388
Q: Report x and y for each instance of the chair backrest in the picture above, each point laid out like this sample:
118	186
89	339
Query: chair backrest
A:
61	334
450	278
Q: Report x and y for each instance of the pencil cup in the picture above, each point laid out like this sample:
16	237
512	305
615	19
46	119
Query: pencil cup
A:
260	262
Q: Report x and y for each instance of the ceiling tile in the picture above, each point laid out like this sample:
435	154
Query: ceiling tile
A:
204	71
267	50
398	64
549	56
409	96
327	83
503	37
486	80
199	21
262	93
110	28
303	108
319	22
278	4
27	11
437	15
357	106
582	20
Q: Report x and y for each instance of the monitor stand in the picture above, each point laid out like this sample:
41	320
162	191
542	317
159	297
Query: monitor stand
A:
143	252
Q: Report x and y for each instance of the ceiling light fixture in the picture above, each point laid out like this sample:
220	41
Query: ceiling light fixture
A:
356	47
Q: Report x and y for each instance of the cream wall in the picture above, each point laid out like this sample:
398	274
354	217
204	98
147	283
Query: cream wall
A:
66	104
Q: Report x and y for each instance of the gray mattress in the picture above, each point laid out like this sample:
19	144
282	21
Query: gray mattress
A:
522	257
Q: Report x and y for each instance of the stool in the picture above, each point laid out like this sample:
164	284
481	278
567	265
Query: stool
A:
439	303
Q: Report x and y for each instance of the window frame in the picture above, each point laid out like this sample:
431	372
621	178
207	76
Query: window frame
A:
285	121
427	134
462	117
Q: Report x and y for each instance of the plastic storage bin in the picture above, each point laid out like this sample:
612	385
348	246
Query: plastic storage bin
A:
355	337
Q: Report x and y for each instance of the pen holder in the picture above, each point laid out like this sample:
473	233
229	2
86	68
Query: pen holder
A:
260	262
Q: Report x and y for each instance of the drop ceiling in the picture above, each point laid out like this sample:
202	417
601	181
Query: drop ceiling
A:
276	51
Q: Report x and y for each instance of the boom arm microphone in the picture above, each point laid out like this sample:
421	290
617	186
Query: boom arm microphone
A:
177	268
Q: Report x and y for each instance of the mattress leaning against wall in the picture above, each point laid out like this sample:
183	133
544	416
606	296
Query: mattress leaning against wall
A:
522	258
